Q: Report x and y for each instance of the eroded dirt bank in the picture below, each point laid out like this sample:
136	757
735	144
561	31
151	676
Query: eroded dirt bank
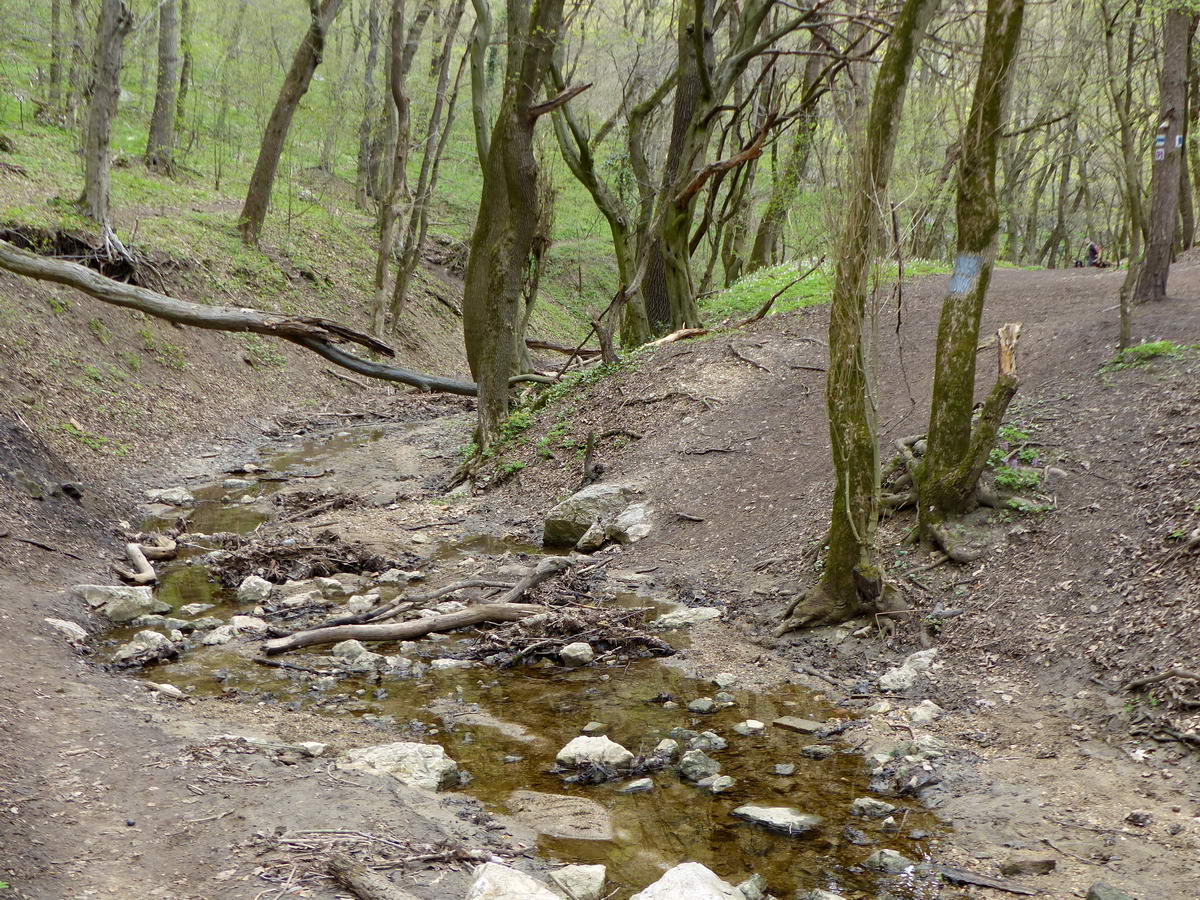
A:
1035	756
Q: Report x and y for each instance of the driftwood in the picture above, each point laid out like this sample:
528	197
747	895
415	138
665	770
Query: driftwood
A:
404	603
361	881
142	572
962	876
505	609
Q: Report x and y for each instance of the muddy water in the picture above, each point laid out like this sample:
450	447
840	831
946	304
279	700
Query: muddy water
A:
505	727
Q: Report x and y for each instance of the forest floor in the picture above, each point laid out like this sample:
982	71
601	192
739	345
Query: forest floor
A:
108	789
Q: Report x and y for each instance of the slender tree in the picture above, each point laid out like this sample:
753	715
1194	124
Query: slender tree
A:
114	23
956	452
1165	176
851	580
295	86
185	68
160	147
56	54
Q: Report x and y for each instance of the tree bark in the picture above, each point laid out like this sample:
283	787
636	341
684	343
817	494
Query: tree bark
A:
1168	155
56	54
948	474
295	86
114	23
78	64
507	220
185	68
364	188
852	580
160	147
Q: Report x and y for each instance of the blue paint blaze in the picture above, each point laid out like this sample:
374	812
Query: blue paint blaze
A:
967	268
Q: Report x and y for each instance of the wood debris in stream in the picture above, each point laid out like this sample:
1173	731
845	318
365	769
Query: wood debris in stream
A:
612	632
293	555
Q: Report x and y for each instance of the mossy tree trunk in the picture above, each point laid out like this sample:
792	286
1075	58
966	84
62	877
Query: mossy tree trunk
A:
948	474
1168	156
185	67
295	86
851	581
506	225
114	23
160	147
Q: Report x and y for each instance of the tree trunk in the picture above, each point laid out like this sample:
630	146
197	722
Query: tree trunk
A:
78	65
114	23
185	69
161	145
295	86
56	54
954	459
852	581
1168	154
363	183
506	224
403	49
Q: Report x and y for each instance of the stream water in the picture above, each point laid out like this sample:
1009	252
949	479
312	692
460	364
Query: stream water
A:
504	727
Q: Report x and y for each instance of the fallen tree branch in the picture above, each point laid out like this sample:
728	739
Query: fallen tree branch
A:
361	881
766	307
681	335
502	610
142	572
315	334
1174	672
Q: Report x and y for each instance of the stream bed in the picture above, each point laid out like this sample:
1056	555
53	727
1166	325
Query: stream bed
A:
504	726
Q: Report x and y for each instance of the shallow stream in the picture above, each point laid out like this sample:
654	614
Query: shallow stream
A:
504	728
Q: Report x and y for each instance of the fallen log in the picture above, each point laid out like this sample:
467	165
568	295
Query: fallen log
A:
361	881
962	876
404	631
505	609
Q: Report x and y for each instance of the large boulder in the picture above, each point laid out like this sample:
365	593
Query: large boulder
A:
172	496
690	881
778	818
421	765
496	882
146	646
254	589
121	604
560	816
599	751
631	524
571	519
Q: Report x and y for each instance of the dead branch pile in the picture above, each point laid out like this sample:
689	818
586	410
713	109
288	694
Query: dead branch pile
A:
295	555
296	505
611	632
309	859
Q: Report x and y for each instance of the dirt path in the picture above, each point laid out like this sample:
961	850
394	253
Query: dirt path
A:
107	788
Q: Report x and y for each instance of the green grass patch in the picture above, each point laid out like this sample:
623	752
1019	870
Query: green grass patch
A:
1140	354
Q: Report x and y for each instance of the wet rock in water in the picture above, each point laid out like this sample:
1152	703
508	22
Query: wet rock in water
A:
691	881
236	484
173	496
870	808
637	786
696	765
493	881
856	836
754	888
119	603
1102	891
331	588
717	784
724	680
422	765
567	522
248	624
681	618
599	751
779	818
560	816
206	623
74	633
146	646
798	725
446	664
594	728
889	826
888	862
708	741
724	698
157	621
702	705
1028	865
580	882
314	598
666	748
577	654
193	609
222	634
631	524
749	727
817	751
924	712
254	589
784	769
819	895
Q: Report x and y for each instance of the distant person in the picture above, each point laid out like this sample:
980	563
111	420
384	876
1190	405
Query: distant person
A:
1091	254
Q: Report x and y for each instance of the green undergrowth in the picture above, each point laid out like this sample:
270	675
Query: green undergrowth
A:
1140	354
